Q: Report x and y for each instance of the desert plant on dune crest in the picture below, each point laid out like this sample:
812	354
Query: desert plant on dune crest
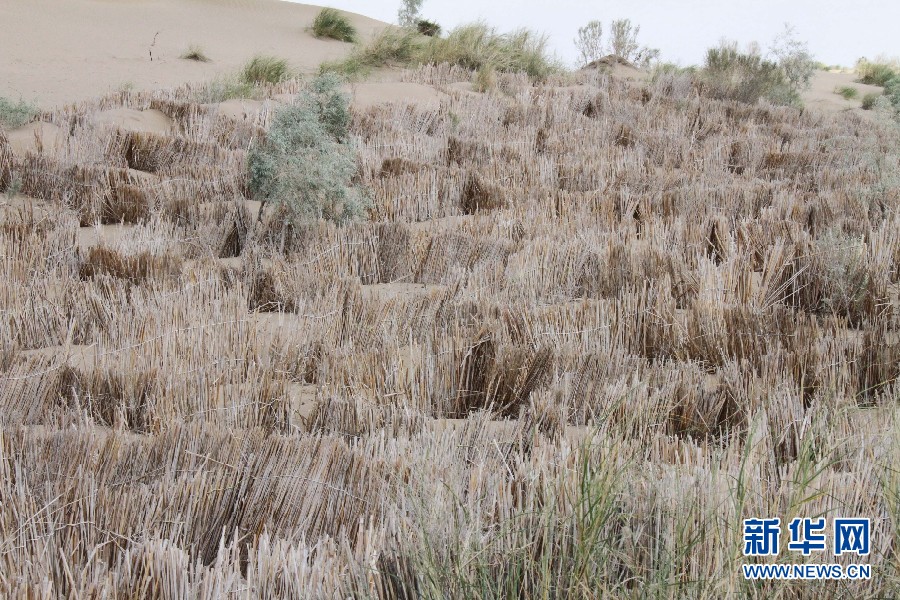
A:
589	42
478	45
264	69
195	53
305	164
622	43
429	28
746	77
472	47
794	59
16	114
330	23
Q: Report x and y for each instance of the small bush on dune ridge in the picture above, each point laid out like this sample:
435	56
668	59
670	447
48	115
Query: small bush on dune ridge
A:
429	28
16	114
265	69
473	46
330	23
305	163
195	53
746	77
622	43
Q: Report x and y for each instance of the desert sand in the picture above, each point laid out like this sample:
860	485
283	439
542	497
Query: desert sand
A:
55	52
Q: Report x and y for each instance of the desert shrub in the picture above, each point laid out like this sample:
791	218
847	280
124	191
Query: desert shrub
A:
330	23
478	45
195	53
869	100
794	60
305	164
429	28
875	73
589	42
264	69
473	46
409	12
848	92
622	43
746	77
16	114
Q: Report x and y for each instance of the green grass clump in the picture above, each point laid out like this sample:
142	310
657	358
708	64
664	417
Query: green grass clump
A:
476	46
195	53
306	164
16	114
330	23
848	92
265	69
391	47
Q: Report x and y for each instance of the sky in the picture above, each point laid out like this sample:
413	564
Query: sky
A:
838	32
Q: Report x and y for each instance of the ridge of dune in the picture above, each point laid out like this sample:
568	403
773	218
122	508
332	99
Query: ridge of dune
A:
57	52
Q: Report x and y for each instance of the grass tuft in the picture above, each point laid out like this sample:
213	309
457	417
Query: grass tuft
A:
195	53
848	92
265	69
331	23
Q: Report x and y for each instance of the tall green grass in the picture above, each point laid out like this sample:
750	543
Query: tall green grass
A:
476	46
265	69
330	23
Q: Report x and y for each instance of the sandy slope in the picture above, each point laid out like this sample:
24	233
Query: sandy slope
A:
821	94
59	51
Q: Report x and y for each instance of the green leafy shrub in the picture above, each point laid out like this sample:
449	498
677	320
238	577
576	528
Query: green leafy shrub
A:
265	69
746	77
195	53
16	114
848	92
306	164
330	23
428	28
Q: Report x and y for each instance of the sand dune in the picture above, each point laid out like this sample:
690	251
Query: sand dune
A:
55	52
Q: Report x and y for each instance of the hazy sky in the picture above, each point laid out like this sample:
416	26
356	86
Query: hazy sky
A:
838	32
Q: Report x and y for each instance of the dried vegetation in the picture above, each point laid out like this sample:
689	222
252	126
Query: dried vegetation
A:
586	331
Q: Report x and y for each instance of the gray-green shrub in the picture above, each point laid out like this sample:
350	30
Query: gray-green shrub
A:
306	164
743	76
16	114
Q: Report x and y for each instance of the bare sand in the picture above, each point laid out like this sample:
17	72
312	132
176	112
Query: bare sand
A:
59	51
